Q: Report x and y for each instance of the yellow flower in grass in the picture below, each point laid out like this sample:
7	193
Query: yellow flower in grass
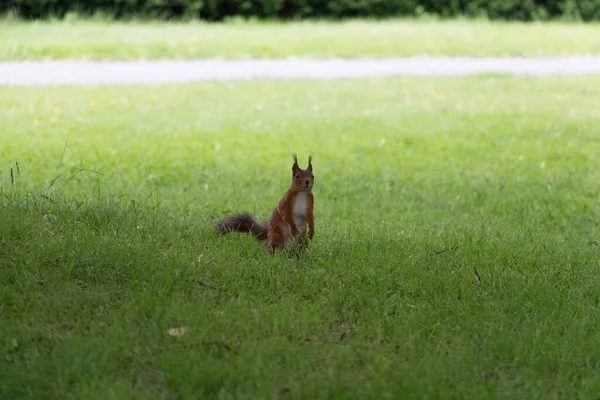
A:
53	120
113	101
92	103
431	92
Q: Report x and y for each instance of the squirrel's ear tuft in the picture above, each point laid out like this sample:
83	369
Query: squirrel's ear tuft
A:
310	163
295	167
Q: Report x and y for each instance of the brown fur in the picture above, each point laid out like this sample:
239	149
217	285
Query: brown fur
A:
243	222
295	207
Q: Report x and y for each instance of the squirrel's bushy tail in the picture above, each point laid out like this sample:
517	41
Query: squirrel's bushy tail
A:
243	222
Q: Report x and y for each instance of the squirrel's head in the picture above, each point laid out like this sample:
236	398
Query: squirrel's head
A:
302	179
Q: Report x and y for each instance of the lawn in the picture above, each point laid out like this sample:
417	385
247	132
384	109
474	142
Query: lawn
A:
455	256
99	40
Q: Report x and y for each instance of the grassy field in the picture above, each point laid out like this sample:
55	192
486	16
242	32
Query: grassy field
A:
126	41
455	256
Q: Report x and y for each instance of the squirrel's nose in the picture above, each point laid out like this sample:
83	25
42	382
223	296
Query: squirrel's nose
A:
307	181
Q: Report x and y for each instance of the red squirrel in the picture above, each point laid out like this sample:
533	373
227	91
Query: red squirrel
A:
289	221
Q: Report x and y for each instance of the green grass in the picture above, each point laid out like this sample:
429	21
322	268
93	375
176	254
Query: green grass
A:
127	41
420	183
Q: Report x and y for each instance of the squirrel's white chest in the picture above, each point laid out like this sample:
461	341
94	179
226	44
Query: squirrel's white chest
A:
300	209
299	214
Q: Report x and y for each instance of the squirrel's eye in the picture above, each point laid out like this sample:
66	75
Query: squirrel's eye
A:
297	176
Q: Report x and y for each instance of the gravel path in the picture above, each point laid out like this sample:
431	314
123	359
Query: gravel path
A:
161	72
